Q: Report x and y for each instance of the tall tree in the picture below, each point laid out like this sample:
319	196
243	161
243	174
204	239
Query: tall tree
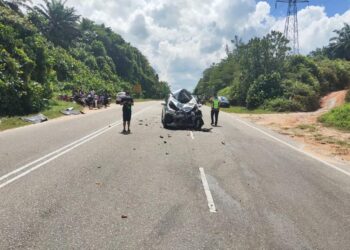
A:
61	22
340	45
16	4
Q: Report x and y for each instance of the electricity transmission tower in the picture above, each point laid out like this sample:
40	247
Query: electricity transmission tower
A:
291	28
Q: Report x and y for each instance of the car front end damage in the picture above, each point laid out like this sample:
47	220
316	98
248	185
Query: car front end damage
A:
182	111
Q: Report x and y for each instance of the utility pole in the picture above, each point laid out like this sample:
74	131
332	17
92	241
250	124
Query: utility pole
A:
291	28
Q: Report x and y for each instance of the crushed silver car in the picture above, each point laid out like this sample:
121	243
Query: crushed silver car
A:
181	110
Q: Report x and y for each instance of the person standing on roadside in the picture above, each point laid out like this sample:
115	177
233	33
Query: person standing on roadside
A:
127	103
215	109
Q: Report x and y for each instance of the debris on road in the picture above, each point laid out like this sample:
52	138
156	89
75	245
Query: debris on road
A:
124	216
71	111
161	137
165	142
206	130
223	143
35	119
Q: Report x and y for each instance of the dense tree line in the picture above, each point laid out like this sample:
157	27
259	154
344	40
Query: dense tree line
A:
49	49
262	73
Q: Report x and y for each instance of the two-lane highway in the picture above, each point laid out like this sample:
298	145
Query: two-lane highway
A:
78	183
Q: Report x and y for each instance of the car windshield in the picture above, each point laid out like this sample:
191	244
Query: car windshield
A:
183	96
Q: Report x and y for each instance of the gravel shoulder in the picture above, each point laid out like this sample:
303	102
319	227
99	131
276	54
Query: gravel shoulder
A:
325	142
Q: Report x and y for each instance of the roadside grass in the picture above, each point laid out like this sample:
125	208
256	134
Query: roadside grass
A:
331	140
338	118
51	112
243	110
55	106
307	127
11	122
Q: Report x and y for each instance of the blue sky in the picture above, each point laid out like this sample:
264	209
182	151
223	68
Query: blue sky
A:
182	38
332	6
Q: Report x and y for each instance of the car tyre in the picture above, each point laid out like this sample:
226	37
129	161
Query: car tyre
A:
165	125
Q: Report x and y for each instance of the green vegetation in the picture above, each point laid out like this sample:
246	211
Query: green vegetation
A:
11	122
55	107
338	117
347	98
50	49
243	110
51	111
262	74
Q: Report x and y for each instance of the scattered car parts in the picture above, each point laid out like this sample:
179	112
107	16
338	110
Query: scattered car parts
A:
39	118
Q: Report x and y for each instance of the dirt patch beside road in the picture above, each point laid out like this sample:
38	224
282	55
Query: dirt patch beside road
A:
304	128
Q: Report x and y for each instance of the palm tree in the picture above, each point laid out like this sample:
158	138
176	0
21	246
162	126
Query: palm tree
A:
61	22
16	4
340	45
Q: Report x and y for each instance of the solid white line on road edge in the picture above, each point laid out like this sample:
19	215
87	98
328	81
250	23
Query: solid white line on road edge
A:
52	153
192	136
70	147
211	204
293	147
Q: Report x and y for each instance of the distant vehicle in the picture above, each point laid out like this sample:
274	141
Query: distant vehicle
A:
224	102
181	110
119	97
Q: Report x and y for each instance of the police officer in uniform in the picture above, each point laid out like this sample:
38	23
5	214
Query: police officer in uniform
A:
215	109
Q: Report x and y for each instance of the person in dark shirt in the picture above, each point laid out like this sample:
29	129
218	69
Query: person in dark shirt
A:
127	103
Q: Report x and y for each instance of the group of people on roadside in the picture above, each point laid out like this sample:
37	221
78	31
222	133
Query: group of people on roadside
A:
91	99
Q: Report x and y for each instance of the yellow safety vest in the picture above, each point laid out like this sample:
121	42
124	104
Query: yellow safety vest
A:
216	104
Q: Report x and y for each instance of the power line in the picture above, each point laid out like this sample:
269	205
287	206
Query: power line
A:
291	28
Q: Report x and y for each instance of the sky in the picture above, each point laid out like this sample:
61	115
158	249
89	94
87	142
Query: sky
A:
182	38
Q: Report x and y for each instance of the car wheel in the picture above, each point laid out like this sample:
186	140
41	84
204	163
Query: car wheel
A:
165	125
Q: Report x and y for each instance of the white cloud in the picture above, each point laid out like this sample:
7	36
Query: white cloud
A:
181	38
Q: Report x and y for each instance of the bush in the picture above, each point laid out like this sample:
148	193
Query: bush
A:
18	98
301	93
225	92
266	87
347	97
338	117
335	75
282	105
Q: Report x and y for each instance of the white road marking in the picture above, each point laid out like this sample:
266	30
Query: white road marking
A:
293	147
50	154
192	135
59	152
210	200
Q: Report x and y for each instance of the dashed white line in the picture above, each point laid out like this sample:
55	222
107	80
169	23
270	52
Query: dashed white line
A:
210	200
57	153
192	135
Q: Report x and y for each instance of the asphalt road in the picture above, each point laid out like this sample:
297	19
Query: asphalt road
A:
66	184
